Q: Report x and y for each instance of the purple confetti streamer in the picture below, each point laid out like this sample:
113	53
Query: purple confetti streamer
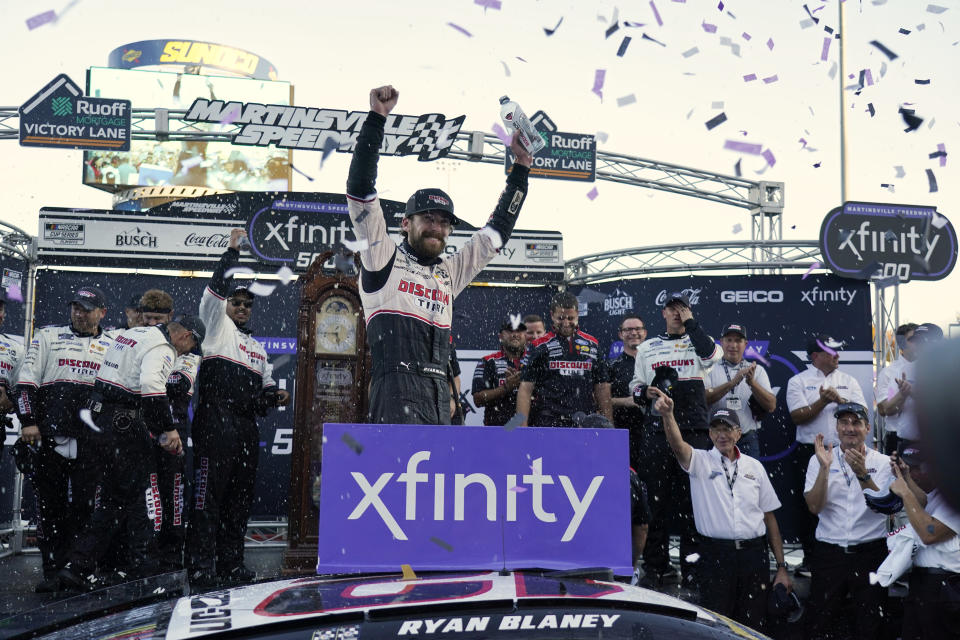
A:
518	489
744	147
231	115
500	133
825	52
656	14
815	265
770	79
460	29
768	156
942	148
593	193
488	4
709	28
826	349
720	6
932	179
770	44
750	77
41	19
746	36
716	121
868	77
14	293
598	79
623	46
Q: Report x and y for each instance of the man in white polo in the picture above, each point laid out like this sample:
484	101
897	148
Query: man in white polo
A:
850	537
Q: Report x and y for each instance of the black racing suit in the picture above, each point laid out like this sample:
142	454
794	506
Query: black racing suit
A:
235	384
408	300
491	373
692	354
11	354
564	372
619	373
54	383
129	404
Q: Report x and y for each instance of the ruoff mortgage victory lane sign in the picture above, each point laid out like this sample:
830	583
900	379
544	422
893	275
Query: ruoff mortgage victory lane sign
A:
429	136
468	498
863	239
60	116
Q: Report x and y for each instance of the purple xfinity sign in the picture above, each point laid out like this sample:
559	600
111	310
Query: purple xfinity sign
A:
454	498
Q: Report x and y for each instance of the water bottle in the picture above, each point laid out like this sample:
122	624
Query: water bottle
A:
514	119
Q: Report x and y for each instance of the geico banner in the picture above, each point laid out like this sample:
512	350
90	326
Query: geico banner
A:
429	136
290	230
444	498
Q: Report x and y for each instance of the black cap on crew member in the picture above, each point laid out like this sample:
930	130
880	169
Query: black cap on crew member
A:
725	415
90	298
430	200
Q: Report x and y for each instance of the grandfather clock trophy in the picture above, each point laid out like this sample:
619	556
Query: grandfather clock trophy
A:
332	377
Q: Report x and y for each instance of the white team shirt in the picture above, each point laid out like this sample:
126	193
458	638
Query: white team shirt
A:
803	390
738	398
904	423
720	512
139	362
11	356
845	518
943	555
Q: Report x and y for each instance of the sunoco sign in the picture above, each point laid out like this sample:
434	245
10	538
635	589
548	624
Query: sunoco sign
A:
863	239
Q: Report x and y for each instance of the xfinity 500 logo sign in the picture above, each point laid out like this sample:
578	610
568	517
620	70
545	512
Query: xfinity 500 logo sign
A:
864	239
428	137
471	497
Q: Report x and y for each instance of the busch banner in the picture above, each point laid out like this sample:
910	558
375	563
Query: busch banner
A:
441	498
428	137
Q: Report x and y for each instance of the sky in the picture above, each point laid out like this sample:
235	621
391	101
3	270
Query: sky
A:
684	66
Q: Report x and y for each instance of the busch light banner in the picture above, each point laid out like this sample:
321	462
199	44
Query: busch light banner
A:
429	137
444	498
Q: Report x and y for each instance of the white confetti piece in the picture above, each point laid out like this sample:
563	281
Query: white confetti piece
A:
355	245
285	274
516	319
602	137
690	52
261	289
938	221
87	419
626	100
692	558
718	104
238	270
737	228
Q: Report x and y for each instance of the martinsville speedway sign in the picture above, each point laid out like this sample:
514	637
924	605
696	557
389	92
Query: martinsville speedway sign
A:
285	229
490	498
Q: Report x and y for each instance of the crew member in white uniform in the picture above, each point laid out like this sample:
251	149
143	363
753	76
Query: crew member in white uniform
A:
812	399
851	537
11	355
932	607
733	505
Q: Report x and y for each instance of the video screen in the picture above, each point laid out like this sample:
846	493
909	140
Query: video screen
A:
196	163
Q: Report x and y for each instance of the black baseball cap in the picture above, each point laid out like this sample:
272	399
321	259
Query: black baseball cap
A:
241	290
508	325
90	298
676	296
734	328
194	325
822	340
725	415
927	332
430	200
855	408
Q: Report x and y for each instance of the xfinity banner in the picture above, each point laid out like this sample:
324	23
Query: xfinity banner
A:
428	137
449	498
863	239
285	229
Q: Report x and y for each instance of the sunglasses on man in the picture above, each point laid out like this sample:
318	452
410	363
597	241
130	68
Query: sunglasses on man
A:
242	303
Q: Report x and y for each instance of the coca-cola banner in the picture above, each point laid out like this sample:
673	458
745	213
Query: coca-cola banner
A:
285	230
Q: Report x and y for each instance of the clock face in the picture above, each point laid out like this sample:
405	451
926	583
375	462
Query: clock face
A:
336	326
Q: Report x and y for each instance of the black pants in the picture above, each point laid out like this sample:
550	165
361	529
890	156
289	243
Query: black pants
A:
735	582
836	573
66	493
128	501
226	450
806	522
173	531
932	607
668	495
409	398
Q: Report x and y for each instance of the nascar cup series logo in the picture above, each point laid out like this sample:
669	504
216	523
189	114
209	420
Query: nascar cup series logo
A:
618	303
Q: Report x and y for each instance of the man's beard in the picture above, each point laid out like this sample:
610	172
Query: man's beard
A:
420	248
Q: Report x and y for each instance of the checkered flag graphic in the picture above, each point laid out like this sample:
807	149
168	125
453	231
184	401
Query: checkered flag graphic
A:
347	632
432	137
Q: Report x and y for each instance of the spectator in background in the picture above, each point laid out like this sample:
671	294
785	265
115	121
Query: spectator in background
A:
733	506
53	385
535	327
11	355
131	313
677	360
932	607
742	387
908	434
453	380
812	399
497	377
894	390
564	368
850	537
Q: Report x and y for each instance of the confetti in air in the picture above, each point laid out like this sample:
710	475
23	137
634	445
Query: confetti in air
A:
744	147
14	293
598	78
623	101
301	173
501	133
770	44
825	51
355	246
750	77
692	558
938	221
890	54
408	573
261	289
515	320
87	417
329	146
932	180
815	265
623	46
737	228
709	28
230	115
518	489
656	14
41	19
716	121
593	193
488	4
460	29
690	52
550	32
602	136
353	444
285	274
247	271
440	543
826	349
